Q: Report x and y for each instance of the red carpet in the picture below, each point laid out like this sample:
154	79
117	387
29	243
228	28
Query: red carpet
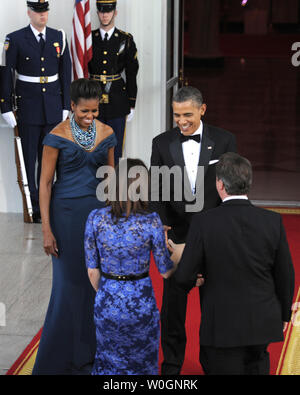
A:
191	363
24	363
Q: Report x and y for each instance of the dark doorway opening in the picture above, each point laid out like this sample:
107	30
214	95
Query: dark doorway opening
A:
241	58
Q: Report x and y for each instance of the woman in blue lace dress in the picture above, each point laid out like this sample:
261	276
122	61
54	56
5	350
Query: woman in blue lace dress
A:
76	148
118	242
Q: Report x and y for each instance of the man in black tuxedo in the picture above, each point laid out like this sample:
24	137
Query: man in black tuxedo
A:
243	254
190	146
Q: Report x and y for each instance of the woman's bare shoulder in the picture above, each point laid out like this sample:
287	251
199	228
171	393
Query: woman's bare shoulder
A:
62	129
104	130
108	130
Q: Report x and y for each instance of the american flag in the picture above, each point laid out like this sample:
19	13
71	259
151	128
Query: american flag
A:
81	41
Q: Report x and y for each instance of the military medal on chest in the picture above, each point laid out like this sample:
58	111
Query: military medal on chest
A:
6	44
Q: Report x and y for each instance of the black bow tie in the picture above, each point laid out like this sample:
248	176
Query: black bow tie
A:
184	138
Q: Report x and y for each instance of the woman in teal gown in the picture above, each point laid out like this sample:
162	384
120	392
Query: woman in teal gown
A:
76	148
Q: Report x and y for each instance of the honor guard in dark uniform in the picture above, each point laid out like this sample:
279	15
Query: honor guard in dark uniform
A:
114	53
39	59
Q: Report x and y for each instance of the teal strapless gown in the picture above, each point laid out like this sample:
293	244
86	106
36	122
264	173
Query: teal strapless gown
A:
68	340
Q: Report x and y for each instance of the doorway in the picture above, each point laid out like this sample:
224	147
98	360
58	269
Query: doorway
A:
240	57
174	54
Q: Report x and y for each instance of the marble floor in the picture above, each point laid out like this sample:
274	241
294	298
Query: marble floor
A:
25	285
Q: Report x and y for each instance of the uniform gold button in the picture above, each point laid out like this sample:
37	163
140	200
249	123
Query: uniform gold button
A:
104	72
105	53
42	59
44	89
2	100
43	69
104	61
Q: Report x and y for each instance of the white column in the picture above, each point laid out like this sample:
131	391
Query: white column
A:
146	20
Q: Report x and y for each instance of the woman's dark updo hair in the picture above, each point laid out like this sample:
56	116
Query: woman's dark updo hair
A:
85	89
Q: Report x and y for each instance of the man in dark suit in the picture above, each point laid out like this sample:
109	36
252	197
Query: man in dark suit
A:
190	146
243	254
114	53
40	57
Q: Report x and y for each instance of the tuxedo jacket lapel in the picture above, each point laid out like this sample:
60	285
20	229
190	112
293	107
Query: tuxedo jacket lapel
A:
176	149
207	147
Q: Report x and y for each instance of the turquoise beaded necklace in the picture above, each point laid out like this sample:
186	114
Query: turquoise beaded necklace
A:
84	138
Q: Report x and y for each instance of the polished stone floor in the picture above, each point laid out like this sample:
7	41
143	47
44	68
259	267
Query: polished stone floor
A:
25	285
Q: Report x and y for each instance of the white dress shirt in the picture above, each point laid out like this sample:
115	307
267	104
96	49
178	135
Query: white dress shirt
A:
36	33
241	197
191	154
109	33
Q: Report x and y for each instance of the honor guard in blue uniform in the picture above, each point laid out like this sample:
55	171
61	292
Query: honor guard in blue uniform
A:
38	58
114	53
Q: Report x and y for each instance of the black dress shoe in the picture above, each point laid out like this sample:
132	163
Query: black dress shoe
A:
36	217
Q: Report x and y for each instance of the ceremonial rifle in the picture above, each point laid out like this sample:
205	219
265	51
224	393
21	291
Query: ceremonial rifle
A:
21	169
22	178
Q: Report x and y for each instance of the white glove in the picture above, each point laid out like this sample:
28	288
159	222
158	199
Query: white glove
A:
177	250
10	119
130	115
65	114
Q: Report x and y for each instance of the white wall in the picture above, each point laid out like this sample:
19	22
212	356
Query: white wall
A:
146	21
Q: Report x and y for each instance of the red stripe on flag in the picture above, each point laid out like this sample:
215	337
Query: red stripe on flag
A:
81	49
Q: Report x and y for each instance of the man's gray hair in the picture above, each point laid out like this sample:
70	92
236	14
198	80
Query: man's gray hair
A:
235	172
188	93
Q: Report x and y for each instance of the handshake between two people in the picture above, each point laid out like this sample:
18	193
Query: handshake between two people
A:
176	251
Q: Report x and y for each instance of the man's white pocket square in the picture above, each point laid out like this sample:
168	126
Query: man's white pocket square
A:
212	162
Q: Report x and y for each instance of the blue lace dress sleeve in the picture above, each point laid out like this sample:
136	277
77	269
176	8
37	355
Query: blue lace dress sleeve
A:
159	248
92	257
